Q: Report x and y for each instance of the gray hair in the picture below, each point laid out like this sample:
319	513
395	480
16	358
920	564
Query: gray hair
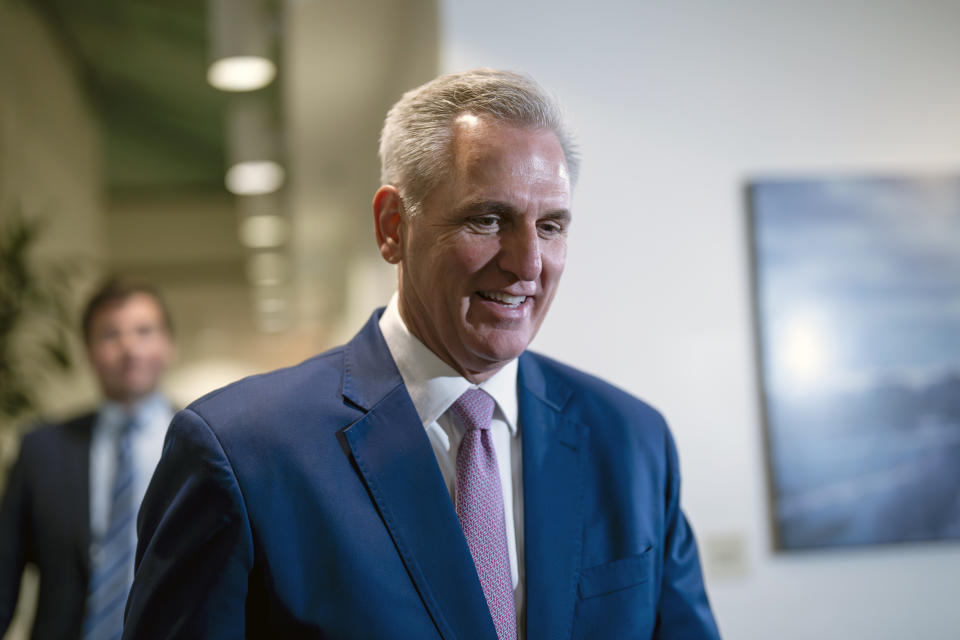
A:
415	141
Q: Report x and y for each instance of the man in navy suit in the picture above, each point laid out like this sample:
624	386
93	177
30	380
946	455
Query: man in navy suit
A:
431	478
61	511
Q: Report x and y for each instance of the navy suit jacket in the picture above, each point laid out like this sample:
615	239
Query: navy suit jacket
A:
45	520
308	503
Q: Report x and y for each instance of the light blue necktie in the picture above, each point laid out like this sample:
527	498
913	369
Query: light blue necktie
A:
112	556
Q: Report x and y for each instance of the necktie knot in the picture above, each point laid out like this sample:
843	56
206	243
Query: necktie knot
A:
129	426
474	409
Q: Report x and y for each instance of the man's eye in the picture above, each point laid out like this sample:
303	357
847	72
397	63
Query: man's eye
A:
485	222
107	336
551	228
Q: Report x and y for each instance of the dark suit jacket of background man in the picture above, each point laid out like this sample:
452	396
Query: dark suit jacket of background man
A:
308	503
45	520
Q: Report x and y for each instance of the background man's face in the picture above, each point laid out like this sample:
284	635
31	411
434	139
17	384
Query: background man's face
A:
482	260
129	347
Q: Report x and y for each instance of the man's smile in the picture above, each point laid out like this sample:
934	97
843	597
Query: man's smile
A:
509	301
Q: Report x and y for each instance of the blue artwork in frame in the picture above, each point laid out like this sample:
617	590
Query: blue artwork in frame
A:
857	300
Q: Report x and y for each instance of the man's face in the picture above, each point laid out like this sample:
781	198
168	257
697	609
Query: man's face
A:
129	347
481	261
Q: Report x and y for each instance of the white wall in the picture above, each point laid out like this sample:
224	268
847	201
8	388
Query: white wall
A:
676	105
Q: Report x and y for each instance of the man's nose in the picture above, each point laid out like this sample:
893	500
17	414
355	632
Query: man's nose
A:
127	341
520	253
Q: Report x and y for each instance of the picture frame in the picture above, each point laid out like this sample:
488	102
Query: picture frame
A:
856	284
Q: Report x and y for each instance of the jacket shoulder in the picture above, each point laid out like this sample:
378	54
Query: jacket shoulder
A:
316	380
593	400
50	434
583	385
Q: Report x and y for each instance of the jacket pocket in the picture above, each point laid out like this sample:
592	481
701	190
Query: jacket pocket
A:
617	575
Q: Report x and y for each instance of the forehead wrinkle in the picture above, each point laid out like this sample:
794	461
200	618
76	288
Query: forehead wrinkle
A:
470	160
486	166
469	144
523	175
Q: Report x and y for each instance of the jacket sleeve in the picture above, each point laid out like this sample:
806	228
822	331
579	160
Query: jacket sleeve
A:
195	550
684	612
14	540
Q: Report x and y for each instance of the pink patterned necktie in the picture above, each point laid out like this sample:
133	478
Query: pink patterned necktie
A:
479	502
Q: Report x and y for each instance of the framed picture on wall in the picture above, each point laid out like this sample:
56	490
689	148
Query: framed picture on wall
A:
857	302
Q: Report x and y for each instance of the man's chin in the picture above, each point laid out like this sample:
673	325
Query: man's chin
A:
132	394
495	355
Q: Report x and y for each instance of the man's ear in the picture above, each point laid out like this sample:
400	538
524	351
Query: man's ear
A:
387	219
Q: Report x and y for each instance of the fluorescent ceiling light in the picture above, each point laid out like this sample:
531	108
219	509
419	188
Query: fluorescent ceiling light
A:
267	269
241	73
271	305
255	178
263	231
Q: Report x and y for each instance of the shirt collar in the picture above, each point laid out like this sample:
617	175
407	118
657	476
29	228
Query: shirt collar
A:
115	415
433	385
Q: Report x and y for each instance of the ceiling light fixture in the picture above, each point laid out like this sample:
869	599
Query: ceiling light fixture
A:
252	148
255	177
241	73
263	231
239	45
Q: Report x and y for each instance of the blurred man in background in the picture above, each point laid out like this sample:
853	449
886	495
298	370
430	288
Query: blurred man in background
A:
72	497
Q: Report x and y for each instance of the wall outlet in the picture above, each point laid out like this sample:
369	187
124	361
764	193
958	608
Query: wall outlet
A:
725	555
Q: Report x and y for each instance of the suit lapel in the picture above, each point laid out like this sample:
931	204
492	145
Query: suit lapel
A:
554	450
398	466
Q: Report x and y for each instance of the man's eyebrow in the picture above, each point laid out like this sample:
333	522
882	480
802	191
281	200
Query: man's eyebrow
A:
561	215
495	207
481	207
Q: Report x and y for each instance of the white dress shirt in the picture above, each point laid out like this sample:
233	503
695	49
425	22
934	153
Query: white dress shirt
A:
434	386
153	416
